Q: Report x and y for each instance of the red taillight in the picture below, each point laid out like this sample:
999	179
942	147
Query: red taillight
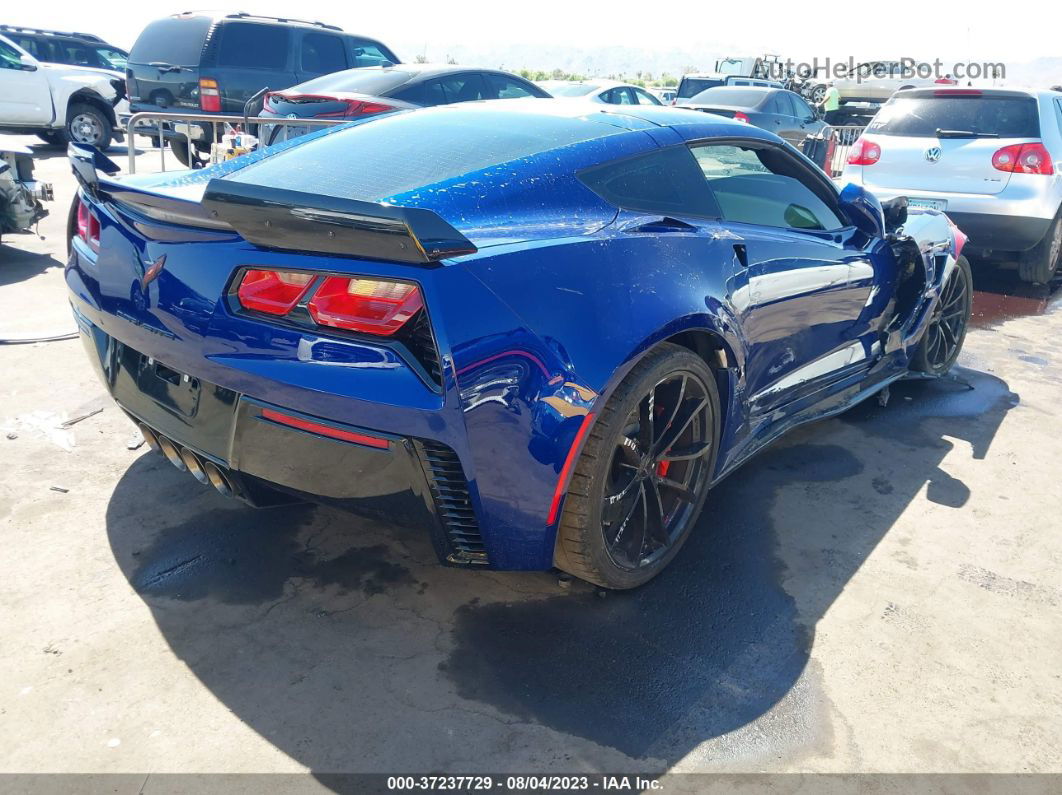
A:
864	152
946	81
88	225
272	292
209	95
352	107
739	116
1023	159
368	305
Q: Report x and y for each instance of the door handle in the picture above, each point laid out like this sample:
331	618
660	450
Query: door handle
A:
742	254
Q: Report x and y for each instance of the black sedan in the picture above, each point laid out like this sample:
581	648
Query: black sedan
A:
356	93
776	110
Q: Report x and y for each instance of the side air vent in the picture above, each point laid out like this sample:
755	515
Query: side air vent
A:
418	338
450	491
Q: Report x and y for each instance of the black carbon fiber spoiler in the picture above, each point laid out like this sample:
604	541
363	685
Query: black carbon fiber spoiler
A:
308	222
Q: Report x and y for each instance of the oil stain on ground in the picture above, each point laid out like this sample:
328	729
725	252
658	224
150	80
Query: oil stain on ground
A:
244	556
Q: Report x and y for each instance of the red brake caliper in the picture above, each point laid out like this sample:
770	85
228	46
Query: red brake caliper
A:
662	468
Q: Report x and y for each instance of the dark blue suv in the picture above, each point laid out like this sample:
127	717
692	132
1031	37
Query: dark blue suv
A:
204	62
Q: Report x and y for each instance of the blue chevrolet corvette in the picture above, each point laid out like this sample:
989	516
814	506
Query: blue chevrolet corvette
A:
554	327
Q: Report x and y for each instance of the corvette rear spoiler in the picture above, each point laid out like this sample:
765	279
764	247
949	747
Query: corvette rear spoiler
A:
298	221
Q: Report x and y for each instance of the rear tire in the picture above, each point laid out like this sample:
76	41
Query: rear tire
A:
942	342
187	154
666	407
1039	264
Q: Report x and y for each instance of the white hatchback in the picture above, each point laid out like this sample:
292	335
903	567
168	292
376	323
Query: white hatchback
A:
989	158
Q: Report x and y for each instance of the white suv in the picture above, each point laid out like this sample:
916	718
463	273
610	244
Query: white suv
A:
60	103
989	158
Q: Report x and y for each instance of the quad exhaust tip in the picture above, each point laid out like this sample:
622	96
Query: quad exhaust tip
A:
169	449
187	461
191	461
217	479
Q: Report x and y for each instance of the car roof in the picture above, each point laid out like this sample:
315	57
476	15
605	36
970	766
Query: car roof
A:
243	16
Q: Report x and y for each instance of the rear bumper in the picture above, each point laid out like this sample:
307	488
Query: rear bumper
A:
1000	232
252	450
1016	219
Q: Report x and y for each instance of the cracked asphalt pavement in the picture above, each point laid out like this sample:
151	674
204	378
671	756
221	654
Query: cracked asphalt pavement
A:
878	592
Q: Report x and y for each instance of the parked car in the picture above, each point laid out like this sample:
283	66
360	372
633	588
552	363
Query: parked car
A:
989	158
554	329
609	92
693	84
209	63
72	49
359	92
782	112
55	102
877	81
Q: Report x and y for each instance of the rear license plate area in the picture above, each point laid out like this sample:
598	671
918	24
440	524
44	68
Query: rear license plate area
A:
928	204
177	391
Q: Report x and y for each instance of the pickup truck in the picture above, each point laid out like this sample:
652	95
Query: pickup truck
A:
57	102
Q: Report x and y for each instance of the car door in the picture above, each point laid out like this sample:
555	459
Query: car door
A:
785	124
25	97
251	56
798	283
320	54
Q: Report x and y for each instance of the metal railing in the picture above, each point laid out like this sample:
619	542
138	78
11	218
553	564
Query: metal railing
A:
181	124
843	138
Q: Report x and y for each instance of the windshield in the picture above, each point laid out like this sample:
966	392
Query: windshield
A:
731	66
175	41
570	89
115	59
921	117
369	80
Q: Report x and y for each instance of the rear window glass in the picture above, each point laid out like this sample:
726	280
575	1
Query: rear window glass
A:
740	97
691	86
249	46
174	41
389	155
921	117
376	82
570	89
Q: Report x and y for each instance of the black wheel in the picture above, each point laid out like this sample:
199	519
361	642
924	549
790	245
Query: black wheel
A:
52	138
1039	264
818	93
940	345
643	474
87	124
187	154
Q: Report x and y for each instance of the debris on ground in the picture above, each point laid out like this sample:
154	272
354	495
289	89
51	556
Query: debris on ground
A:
60	489
80	417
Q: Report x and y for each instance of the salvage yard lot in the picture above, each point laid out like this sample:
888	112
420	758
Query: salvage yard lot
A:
879	592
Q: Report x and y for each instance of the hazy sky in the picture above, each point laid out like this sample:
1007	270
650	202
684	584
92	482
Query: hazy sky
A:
973	30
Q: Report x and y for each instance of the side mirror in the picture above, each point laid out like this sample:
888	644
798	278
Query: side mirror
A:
863	210
27	65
